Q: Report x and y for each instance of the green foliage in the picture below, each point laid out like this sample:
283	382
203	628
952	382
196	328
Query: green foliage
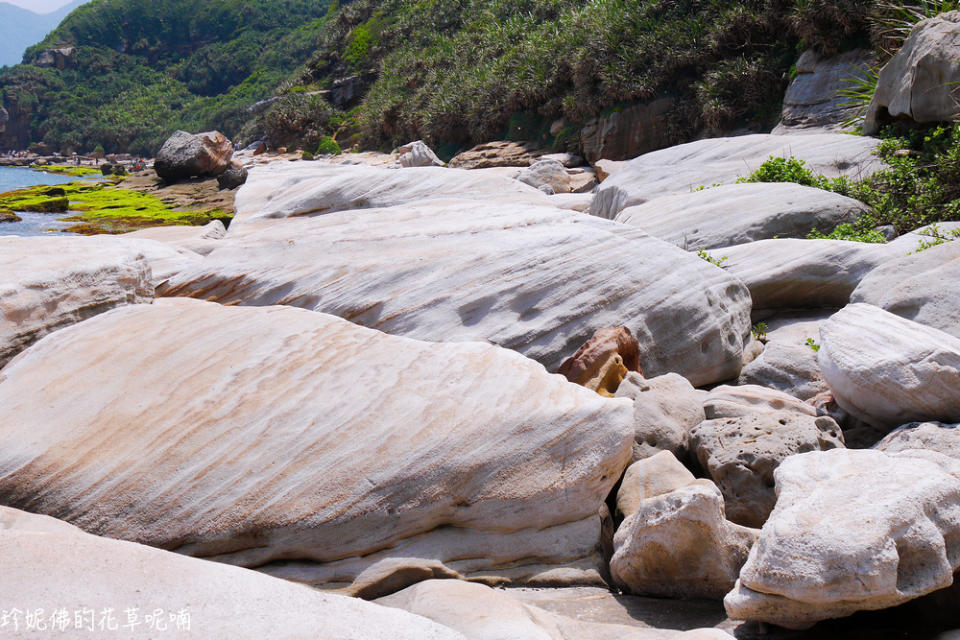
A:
937	237
306	155
786	170
328	147
813	344
853	233
143	69
717	262
759	331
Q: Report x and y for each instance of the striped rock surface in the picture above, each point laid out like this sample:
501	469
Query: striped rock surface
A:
313	449
534	279
48	283
306	188
135	591
887	370
723	160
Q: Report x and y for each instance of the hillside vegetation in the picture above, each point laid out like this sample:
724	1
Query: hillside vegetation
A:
142	68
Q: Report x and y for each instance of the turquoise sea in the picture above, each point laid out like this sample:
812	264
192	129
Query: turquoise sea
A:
33	224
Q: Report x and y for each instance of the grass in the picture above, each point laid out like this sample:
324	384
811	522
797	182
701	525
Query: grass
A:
106	208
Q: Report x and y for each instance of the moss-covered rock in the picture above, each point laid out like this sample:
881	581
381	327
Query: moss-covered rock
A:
8	216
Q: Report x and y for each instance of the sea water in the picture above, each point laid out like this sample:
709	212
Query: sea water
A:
33	224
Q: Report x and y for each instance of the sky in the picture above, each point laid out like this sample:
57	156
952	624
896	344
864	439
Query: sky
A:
39	6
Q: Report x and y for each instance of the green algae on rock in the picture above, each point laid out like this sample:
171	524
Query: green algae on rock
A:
105	208
67	170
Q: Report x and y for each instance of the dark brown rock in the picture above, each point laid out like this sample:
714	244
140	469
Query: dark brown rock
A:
626	134
185	155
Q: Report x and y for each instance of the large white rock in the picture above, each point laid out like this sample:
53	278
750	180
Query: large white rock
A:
887	370
799	274
722	160
679	544
922	286
788	363
935	436
739	213
128	590
648	478
920	81
304	188
538	280
852	530
482	613
313	449
49	283
201	240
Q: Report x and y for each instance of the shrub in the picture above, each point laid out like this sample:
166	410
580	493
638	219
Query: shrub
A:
328	147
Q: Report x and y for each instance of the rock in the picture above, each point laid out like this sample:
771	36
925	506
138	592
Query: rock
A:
119	170
812	100
629	132
741	454
49	283
679	544
595	365
789	368
919	82
547	172
534	279
200	240
9	216
649	478
416	460
923	287
889	371
497	154
291	190
51	566
482	613
740	213
417	154
740	402
852	531
572	201
61	58
233	177
935	436
106	169
605	168
568	160
50	205
857	434
722	160
185	155
665	409
802	274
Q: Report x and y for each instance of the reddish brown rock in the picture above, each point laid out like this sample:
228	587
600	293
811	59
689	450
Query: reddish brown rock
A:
602	363
497	154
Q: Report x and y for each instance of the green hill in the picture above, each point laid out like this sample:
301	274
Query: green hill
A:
125	73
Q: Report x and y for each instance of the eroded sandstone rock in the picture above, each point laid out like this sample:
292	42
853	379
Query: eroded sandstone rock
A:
602	363
934	436
679	544
52	566
887	370
853	530
310	448
648	478
185	155
666	408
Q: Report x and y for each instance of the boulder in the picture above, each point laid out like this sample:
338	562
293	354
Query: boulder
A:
802	274
741	213
50	282
605	168
744	401
482	613
200	240
417	154
596	366
627	133
283	190
665	409
812	101
853	530
679	544
789	368
741	454
141	592
233	177
497	154
9	216
887	370
535	279
186	155
310	448
722	160
547	172
935	436
920	81
923	286
649	478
